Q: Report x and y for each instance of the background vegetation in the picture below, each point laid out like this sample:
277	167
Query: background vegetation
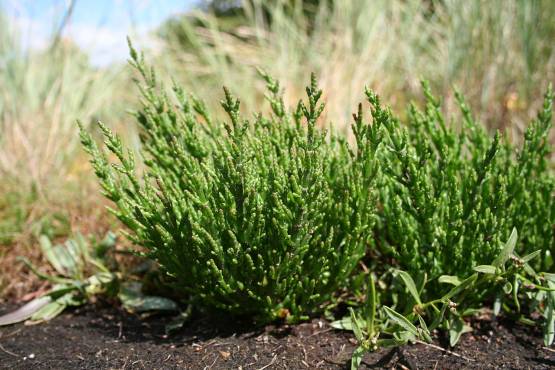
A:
499	53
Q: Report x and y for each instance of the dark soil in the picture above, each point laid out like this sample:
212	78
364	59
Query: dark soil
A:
103	337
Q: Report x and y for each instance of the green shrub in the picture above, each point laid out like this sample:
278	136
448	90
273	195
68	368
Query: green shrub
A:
267	217
450	197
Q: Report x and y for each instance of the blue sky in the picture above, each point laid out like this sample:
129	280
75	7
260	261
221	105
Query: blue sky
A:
97	26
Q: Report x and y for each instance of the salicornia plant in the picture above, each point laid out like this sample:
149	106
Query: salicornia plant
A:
451	194
265	217
269	216
448	197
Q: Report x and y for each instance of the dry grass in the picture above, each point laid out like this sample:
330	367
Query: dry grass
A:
499	53
44	176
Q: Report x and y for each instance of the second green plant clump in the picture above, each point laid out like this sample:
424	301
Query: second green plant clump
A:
270	217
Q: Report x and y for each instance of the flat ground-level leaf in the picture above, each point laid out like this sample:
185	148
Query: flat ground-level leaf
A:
24	312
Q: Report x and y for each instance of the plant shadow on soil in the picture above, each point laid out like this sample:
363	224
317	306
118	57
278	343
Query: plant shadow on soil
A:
100	336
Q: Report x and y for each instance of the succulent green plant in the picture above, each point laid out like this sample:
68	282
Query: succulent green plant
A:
269	217
449	197
447	200
265	217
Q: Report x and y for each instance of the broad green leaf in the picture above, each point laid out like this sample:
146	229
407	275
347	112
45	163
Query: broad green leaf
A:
549	314
438	319
74	250
49	253
549	276
497	303
357	358
48	312
343	324
423	282
531	256
59	256
60	290
549	330
67	256
83	245
411	286
456	329
401	320
459	288
150	303
356	326
134	300
404	336
449	279
72	299
424	332
529	270
24	312
486	269
371	306
507	250
390	342
99	265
